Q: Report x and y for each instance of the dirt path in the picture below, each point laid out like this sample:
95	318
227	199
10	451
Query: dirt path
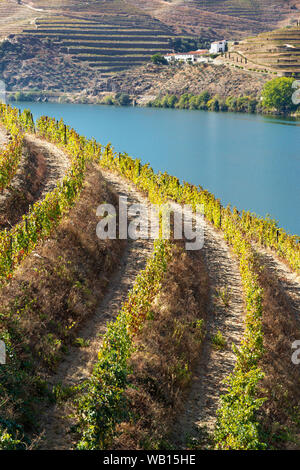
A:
57	161
3	136
42	165
79	362
214	364
289	280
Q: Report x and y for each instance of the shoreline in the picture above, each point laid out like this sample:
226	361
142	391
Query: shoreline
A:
134	103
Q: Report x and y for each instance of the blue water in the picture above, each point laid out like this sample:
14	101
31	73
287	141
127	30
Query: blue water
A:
252	162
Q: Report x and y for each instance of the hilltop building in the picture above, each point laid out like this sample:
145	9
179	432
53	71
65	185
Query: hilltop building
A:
201	55
218	46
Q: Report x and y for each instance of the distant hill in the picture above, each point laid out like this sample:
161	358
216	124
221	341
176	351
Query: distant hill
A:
278	51
114	35
231	18
108	35
222	18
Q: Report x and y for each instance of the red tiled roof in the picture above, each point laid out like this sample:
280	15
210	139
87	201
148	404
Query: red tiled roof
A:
200	51
177	53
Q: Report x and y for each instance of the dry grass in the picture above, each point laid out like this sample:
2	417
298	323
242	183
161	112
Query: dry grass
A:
55	290
167	349
281	385
24	189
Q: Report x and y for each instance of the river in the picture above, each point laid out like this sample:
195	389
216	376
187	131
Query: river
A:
249	161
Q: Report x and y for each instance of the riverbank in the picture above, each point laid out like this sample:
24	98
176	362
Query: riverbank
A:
212	87
206	102
187	101
28	76
213	149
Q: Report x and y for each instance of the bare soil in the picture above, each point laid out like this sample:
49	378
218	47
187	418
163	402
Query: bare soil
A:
3	136
78	364
149	81
41	167
288	279
214	364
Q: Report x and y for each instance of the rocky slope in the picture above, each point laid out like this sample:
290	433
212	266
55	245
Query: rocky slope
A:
151	80
31	65
232	18
38	69
229	18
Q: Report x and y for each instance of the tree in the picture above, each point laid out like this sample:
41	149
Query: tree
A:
277	94
108	99
204	97
123	99
159	59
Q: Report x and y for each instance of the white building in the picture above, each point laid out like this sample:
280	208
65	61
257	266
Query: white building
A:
217	47
201	55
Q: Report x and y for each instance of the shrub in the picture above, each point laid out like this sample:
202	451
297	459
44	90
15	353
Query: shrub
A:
122	99
277	94
159	59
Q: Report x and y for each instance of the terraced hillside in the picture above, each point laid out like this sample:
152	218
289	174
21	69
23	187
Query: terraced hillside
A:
110	43
230	18
118	34
103	352
233	18
14	17
110	36
278	50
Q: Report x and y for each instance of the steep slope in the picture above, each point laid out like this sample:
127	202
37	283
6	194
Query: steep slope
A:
109	42
110	36
277	50
150	81
14	17
230	18
31	64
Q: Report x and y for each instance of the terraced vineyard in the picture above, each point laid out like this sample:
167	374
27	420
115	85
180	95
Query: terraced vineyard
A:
14	17
110	36
102	349
96	30
109	43
269	11
230	18
278	50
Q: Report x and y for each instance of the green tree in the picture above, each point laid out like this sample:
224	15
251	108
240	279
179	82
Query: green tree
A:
214	104
204	97
184	101
277	94
159	59
123	99
108	99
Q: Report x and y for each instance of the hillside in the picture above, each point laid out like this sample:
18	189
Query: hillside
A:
40	69
228	18
115	35
110	36
111	43
14	17
150	81
102	351
33	65
277	50
231	17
